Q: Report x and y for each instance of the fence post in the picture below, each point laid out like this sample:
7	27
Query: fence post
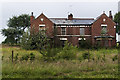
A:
12	55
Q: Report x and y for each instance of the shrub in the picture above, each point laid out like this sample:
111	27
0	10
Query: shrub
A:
32	56
16	57
103	57
86	55
84	43
115	58
25	57
34	41
50	53
2	57
68	52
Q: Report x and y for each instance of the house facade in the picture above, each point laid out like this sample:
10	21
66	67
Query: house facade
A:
99	31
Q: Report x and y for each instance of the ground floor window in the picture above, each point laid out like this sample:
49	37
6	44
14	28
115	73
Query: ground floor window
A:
104	43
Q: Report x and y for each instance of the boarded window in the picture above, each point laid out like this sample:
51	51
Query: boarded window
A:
82	31
63	30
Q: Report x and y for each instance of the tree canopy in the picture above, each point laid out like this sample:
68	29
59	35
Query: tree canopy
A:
117	21
16	27
35	40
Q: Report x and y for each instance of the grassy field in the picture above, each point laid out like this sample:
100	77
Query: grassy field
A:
102	64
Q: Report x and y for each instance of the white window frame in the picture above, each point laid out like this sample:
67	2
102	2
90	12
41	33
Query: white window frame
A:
65	39
104	19
81	38
62	31
104	25
41	19
41	26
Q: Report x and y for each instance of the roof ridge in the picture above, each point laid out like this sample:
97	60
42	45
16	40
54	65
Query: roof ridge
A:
75	18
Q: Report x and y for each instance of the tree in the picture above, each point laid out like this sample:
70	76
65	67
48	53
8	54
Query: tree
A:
117	21
16	27
11	34
34	40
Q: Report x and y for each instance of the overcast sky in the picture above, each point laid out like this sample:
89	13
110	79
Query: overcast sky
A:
82	9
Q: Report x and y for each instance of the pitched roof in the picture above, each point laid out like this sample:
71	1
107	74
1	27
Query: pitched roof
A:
74	21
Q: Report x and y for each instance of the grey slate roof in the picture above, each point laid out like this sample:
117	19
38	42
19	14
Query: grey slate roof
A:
75	21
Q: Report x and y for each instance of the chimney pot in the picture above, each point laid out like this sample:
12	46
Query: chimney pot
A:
31	13
70	17
110	15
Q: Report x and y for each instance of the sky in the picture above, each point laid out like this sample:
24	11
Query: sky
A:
52	8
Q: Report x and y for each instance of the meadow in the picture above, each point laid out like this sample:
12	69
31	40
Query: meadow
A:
101	63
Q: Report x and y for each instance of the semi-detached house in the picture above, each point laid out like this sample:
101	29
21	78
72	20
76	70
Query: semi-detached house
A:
101	30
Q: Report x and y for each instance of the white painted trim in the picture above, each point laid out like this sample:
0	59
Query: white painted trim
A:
81	38
73	35
41	19
63	26
82	26
42	25
63	38
103	24
104	19
114	26
74	26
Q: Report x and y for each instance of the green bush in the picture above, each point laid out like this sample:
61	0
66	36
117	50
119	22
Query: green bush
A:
34	41
84	43
68	52
16	57
86	55
103	57
2	57
32	56
25	57
115	58
50	53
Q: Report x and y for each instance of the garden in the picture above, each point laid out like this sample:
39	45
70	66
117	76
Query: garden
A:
67	62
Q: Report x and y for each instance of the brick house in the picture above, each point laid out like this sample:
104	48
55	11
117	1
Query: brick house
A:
101	30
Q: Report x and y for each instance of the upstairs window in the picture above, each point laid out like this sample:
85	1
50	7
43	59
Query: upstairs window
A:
82	31
104	19
63	31
104	29
41	19
42	27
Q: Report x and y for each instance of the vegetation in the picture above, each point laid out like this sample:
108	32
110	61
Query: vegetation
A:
35	40
117	21
37	59
16	27
102	63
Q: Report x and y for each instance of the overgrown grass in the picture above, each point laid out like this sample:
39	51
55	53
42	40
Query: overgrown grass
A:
99	65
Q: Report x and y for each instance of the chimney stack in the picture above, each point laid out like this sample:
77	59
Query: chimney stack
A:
110	15
70	17
31	13
31	18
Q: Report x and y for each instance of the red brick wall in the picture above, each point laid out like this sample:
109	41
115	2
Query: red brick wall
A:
74	30
96	28
48	24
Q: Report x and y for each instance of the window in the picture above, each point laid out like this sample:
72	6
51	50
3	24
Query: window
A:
82	31
104	29
63	31
41	19
63	41
104	19
42	27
